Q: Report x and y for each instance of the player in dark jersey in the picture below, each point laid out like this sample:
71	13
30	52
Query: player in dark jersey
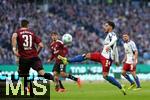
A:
58	48
24	44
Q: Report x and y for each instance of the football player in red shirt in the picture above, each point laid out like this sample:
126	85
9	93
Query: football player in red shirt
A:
24	43
58	48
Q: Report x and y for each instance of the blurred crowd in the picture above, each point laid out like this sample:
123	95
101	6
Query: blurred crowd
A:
83	20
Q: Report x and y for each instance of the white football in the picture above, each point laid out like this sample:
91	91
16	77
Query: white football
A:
67	38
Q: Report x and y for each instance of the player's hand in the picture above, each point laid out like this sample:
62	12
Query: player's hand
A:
15	51
17	60
134	63
123	61
17	54
48	60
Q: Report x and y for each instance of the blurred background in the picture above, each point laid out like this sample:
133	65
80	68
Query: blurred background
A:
83	19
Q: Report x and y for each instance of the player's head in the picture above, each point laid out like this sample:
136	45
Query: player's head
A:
24	23
125	37
108	26
54	36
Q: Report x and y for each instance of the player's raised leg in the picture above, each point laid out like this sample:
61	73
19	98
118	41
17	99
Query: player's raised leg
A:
78	58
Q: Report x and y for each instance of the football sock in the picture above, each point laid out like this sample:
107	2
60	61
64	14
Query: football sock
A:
78	58
61	85
72	77
137	81
48	76
113	81
129	79
25	84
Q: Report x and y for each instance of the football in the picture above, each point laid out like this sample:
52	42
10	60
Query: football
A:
67	38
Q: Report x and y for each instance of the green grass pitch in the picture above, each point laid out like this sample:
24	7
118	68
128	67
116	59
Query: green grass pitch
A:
100	90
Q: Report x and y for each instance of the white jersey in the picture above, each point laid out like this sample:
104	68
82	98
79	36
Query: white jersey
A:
111	41
130	47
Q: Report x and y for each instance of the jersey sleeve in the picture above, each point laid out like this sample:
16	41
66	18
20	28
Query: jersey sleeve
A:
52	57
61	44
133	46
51	53
37	39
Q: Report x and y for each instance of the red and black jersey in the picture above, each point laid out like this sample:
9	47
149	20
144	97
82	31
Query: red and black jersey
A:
58	48
26	41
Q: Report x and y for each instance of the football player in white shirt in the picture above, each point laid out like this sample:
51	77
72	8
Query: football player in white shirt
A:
105	57
130	60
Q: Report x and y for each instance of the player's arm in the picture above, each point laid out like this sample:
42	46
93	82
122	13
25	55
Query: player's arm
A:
134	48
135	57
124	59
51	58
14	44
40	46
39	43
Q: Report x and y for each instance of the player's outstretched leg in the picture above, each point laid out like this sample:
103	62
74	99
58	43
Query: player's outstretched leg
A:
129	79
113	81
78	58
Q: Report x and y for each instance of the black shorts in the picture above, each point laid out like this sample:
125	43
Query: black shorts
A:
59	67
26	64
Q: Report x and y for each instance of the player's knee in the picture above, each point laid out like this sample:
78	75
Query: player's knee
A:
104	76
123	73
41	72
56	78
55	73
87	56
133	74
63	74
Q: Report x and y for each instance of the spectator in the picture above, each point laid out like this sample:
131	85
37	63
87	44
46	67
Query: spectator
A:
81	19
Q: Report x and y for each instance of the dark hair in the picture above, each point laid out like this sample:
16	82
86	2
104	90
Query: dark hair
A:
112	24
125	33
54	33
24	23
